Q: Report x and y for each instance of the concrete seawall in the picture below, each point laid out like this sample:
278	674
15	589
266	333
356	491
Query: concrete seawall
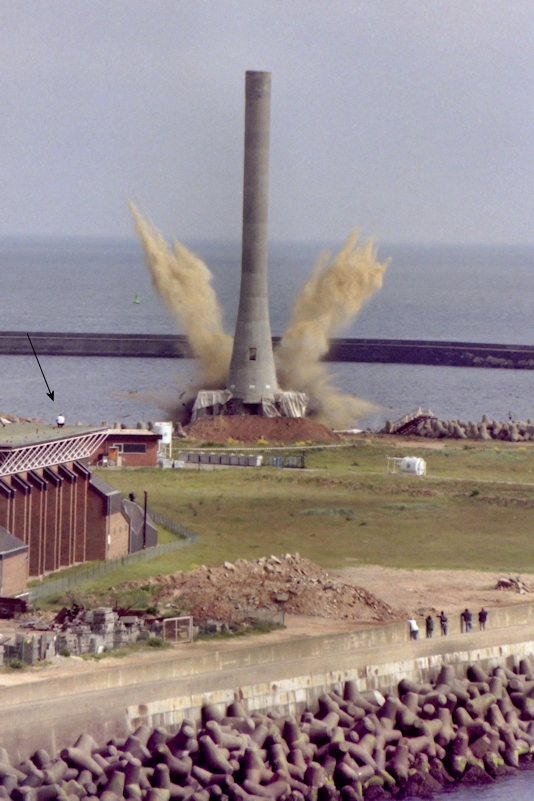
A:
163	346
285	674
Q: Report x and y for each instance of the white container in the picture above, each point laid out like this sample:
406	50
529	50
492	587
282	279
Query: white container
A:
255	461
412	465
165	429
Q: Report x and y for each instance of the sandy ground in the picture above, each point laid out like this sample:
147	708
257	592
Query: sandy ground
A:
416	591
424	591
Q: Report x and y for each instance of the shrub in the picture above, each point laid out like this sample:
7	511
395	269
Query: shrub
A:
65	652
16	664
157	642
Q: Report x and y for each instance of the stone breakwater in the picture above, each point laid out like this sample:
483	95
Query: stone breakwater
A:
354	746
486	430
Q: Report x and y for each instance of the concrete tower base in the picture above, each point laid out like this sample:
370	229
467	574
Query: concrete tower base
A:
210	403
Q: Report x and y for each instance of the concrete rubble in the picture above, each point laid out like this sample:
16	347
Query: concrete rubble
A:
514	584
79	632
236	592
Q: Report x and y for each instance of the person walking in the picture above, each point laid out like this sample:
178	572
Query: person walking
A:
414	628
429	621
482	617
467	620
443	622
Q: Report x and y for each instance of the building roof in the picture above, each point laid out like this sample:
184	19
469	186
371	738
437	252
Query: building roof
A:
139	432
19	435
111	495
9	544
29	446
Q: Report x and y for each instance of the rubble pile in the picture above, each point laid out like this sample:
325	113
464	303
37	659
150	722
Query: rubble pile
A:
79	632
514	584
418	740
292	583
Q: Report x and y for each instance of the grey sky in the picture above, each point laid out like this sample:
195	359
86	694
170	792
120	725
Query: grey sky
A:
409	119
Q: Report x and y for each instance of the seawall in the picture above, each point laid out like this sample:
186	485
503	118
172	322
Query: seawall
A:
175	346
273	672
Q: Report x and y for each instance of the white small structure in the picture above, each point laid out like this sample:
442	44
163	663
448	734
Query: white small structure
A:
165	429
409	465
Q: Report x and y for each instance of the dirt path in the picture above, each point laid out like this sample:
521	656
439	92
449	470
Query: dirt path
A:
424	591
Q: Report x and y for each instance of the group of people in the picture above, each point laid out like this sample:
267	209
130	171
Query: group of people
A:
466	623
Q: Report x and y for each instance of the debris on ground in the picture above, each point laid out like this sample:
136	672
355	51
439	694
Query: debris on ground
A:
515	584
252	428
234	592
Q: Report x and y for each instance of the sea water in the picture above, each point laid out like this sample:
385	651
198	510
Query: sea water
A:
474	294
445	293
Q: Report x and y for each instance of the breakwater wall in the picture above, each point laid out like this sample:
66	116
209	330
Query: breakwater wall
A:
286	676
175	346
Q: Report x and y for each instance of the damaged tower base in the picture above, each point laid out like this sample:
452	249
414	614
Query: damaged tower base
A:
211	403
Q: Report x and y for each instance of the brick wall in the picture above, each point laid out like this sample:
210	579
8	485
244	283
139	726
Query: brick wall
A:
147	459
81	518
62	518
37	527
96	527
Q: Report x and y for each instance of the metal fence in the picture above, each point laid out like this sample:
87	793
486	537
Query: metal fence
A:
64	583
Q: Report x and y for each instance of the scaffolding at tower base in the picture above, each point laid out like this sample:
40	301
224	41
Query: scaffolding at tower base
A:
211	403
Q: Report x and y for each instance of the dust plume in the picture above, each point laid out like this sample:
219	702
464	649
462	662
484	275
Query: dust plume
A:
325	305
183	281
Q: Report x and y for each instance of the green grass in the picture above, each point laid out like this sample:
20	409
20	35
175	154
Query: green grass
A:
474	509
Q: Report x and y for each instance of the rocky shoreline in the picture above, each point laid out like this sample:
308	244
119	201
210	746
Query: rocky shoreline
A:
354	746
426	425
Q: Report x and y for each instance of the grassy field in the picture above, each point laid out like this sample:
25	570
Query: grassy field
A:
474	509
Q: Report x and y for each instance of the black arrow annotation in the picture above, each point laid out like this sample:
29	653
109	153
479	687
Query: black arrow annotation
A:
50	393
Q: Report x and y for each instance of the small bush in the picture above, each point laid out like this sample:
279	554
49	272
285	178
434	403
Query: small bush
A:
157	642
65	652
16	664
475	492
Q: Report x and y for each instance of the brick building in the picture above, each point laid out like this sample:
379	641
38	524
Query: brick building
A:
127	447
51	503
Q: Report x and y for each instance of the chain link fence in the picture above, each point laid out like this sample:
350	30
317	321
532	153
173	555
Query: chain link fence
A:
89	573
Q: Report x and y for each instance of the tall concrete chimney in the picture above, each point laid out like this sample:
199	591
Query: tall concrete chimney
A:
252	374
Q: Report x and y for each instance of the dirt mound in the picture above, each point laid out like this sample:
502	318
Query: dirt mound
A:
251	428
233	592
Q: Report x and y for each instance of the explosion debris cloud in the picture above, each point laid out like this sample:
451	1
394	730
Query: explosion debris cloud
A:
183	281
326	304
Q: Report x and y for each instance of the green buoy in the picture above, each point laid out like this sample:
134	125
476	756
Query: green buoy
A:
136	299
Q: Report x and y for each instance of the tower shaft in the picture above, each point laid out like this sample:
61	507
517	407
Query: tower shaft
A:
252	374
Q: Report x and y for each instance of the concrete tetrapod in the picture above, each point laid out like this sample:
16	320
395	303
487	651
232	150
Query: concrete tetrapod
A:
354	746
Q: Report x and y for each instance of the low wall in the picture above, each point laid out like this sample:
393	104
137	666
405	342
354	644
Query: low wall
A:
286	675
294	695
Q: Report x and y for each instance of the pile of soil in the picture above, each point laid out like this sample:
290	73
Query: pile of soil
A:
251	428
232	592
